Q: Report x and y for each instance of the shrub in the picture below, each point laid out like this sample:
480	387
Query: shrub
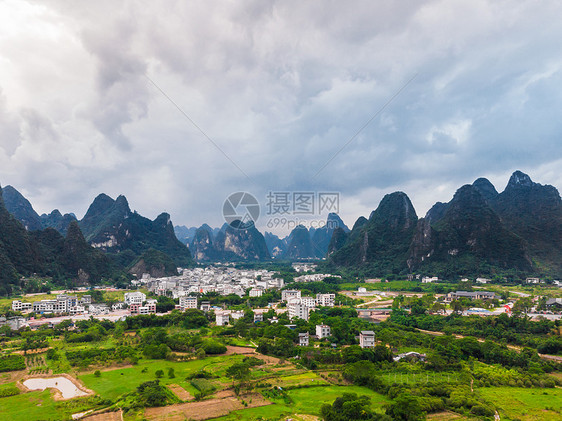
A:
12	363
9	390
213	347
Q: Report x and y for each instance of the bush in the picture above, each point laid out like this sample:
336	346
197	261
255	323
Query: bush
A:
152	393
482	411
9	390
12	363
213	347
97	373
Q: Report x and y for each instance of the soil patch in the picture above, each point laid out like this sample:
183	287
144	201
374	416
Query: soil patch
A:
242	350
106	416
180	392
204	410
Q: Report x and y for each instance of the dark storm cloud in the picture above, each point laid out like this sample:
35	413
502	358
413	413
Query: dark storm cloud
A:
279	87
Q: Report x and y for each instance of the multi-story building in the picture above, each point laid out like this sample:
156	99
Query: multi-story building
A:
288	294
323	331
256	292
205	306
367	339
59	305
325	300
188	302
222	318
17	305
149	308
310	302
136	297
298	310
304	339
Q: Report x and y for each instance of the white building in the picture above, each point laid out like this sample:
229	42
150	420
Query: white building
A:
428	280
17	305
288	294
298	310
323	331
79	309
367	339
222	318
136	297
188	302
325	300
60	305
310	302
237	315
256	292
304	339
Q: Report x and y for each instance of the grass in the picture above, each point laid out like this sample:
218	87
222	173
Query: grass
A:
113	383
525	404
309	400
30	406
423	377
305	401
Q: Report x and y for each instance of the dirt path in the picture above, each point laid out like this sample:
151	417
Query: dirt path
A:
106	416
203	410
180	392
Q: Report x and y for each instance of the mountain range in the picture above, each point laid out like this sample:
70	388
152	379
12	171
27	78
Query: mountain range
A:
479	231
220	244
46	253
109	241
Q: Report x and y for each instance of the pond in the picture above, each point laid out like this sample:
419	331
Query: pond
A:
65	386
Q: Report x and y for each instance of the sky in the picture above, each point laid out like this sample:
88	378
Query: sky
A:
178	104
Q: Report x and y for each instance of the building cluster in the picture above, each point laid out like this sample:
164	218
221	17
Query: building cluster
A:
223	280
136	302
63	303
299	307
476	295
314	277
304	267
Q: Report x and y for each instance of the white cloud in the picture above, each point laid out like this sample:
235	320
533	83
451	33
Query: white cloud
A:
280	87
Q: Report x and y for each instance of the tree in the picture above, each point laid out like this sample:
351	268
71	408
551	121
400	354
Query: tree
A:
159	374
457	306
97	373
405	408
171	374
350	407
240	372
97	296
152	393
522	305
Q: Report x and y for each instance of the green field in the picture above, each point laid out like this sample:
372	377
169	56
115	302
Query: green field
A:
305	401
525	404
41	406
114	383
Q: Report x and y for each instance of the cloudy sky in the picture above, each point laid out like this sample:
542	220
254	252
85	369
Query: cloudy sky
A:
177	104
